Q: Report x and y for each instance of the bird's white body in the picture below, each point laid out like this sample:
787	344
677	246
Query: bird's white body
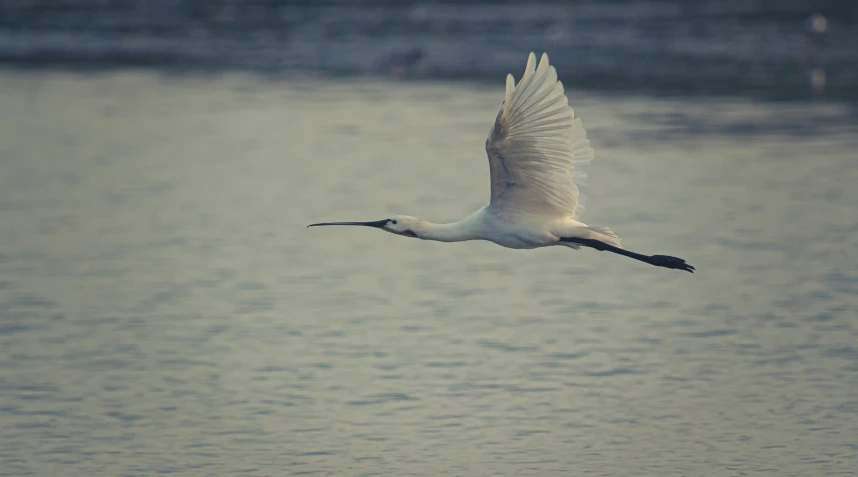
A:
536	148
520	231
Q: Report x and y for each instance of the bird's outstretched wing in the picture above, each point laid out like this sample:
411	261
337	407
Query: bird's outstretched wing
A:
535	145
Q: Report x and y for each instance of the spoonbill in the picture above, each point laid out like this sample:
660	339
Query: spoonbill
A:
535	148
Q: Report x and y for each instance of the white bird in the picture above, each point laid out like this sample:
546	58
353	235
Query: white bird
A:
535	149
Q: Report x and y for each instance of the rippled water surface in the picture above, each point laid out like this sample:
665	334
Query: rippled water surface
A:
164	309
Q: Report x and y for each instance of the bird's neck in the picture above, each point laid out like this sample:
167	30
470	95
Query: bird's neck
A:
460	231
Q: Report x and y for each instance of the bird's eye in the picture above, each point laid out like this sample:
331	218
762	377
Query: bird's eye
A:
392	221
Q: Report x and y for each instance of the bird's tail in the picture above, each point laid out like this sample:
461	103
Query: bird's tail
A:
606	235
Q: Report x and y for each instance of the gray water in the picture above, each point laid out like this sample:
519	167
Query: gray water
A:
163	308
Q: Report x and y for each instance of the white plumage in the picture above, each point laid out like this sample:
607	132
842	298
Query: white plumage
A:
535	145
535	150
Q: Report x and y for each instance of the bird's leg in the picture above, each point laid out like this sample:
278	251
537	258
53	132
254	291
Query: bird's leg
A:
665	261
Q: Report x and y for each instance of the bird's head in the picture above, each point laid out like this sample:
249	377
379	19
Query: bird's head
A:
398	224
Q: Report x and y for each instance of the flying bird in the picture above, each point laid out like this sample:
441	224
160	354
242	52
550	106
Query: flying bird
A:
535	149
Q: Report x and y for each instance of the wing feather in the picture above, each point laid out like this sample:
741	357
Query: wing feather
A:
535	145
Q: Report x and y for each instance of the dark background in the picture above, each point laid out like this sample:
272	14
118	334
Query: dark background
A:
758	49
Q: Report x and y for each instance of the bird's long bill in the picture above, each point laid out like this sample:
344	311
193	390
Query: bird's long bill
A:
377	224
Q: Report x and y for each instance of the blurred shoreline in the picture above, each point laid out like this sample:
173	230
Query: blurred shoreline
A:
760	50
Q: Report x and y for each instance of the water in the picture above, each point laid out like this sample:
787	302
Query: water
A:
163	308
